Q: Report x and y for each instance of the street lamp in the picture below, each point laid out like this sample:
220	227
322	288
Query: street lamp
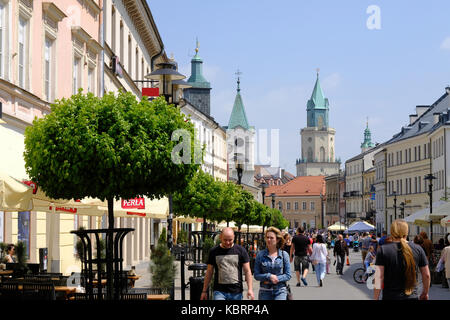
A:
321	208
402	210
273	200
166	74
395	204
239	168
430	177
263	191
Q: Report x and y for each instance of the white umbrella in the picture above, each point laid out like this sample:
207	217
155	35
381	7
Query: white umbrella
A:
14	195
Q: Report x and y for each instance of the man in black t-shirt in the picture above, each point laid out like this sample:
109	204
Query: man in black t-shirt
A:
228	260
300	247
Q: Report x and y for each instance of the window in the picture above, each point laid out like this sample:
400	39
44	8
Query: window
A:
280	205
130	56
91	80
76	82
121	42
418	153
113	30
304	205
136	75
296	206
48	77
288	206
23	49
312	205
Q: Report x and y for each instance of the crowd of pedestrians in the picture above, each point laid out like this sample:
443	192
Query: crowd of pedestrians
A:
402	267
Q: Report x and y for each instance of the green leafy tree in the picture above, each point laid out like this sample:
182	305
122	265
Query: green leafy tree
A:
229	193
199	199
278	220
108	148
245	213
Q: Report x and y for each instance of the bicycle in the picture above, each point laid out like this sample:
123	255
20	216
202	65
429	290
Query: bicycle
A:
361	276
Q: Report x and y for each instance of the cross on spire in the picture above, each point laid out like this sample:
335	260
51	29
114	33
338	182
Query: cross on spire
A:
238	73
317	71
197	45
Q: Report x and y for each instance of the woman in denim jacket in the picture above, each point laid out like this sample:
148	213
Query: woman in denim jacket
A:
272	267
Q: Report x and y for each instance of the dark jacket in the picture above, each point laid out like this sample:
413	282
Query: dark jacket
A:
340	248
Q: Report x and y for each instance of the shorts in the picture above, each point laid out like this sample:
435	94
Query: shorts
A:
301	262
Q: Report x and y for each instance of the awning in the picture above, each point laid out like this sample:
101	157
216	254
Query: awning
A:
337	227
14	195
232	224
445	221
440	212
141	207
184	219
360	226
422	217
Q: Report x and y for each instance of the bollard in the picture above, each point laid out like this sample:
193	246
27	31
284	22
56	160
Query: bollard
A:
196	282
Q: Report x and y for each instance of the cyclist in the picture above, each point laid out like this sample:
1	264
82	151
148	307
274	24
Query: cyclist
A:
370	258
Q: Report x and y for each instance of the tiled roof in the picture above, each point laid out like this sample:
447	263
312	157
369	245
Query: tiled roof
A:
300	186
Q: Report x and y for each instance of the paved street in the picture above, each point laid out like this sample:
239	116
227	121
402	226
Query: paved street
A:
335	287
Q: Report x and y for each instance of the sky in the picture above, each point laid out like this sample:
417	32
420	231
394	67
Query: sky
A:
378	60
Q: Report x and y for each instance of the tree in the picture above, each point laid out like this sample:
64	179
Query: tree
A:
200	199
162	265
108	148
278	220
229	204
245	213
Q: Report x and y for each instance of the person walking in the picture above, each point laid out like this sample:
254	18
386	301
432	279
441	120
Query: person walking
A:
365	242
319	258
340	251
445	259
287	243
427	246
396	264
300	247
227	260
272	267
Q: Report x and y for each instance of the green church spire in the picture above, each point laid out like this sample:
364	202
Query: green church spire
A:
238	116
367	144
317	107
197	80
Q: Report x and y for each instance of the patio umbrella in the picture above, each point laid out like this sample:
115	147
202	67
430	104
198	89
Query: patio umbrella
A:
422	217
445	221
360	226
14	195
336	227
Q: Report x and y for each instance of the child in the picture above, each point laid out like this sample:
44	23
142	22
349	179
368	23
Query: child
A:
370	257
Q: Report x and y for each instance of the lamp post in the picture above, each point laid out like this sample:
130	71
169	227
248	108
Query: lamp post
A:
263	191
321	208
273	200
430	177
402	210
166	74
239	168
395	204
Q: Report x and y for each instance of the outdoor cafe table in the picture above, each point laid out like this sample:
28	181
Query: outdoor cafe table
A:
149	297
67	290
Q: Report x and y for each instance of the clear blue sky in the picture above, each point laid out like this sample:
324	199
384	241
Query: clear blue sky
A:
381	74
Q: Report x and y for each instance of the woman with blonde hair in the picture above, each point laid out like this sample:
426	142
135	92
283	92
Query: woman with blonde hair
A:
272	267
397	264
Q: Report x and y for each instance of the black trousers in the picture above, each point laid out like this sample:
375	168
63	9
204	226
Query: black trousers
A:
340	263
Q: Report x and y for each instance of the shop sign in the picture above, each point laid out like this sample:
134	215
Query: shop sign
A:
140	214
64	209
136	203
32	185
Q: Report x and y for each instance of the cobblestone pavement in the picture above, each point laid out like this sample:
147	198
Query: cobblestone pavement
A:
335	287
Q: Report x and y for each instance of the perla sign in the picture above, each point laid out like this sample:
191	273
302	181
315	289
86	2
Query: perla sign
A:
136	203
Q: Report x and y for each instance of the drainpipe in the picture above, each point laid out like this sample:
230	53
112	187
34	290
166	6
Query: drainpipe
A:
101	88
152	63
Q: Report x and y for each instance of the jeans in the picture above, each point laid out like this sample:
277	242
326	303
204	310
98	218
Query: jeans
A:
340	263
275	294
219	295
320	271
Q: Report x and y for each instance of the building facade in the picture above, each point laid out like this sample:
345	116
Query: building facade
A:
379	159
301	201
335	204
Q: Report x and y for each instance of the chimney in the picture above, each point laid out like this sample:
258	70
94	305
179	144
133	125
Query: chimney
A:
436	117
412	118
420	110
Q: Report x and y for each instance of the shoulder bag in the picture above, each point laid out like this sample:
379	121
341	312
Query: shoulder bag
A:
288	287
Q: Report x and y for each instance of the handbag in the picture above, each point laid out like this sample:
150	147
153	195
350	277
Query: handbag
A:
288	288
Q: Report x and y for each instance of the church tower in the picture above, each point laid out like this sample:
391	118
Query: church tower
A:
317	139
199	94
367	144
241	141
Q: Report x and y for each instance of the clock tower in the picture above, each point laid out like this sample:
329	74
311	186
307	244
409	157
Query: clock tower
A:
318	156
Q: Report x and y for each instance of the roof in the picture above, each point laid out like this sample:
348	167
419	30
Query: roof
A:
238	116
318	100
425	123
300	186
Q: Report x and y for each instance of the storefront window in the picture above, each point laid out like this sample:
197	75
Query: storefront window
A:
24	229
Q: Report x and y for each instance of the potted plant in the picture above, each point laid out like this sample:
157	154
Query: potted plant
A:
162	266
22	258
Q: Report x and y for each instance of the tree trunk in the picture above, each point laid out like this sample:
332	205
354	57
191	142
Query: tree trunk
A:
110	251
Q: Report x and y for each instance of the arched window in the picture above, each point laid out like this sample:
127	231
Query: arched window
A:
322	154
310	154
